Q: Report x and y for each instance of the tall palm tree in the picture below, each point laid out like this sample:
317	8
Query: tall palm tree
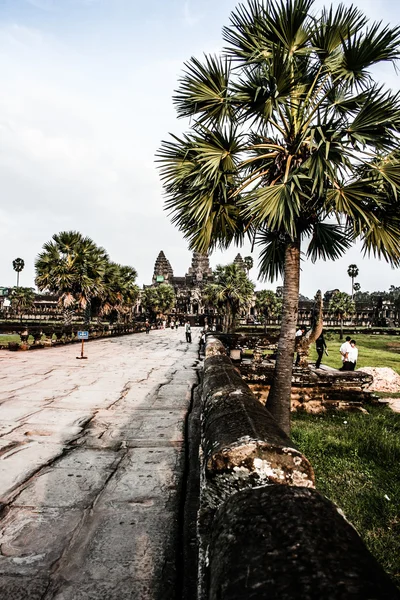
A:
18	265
231	291
73	267
352	272
249	262
291	142
342	306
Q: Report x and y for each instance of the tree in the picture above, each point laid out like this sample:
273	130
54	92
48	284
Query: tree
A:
249	262
72	267
120	292
231	291
22	300
342	306
158	299
18	265
291	141
356	287
268	304
352	272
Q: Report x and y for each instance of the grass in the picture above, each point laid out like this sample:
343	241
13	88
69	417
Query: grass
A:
356	460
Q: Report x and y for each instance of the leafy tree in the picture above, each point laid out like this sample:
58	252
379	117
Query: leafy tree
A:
18	265
22	300
120	291
291	141
73	267
352	272
231	291
356	287
342	306
158	299
268	305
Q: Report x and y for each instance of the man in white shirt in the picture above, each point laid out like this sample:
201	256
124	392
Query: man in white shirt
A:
344	350
352	356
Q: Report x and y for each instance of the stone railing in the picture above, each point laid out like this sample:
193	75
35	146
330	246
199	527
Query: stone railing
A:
263	531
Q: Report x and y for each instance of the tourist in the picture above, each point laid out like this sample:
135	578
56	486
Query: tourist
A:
172	325
147	326
188	332
344	349
352	356
320	346
164	324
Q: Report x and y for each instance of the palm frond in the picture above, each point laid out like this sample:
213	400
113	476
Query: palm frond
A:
328	241
272	256
204	91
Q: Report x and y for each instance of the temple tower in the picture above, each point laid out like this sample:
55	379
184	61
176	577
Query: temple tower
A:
163	272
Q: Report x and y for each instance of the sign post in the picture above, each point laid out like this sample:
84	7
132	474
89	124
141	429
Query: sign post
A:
82	335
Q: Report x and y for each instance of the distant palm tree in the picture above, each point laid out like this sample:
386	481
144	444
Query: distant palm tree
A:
22	300
18	265
72	267
158	299
342	306
268	304
249	262
352	272
231	291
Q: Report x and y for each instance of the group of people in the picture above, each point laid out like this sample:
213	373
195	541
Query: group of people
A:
348	351
349	354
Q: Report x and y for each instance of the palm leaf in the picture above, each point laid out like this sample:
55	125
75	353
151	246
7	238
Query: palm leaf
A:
328	242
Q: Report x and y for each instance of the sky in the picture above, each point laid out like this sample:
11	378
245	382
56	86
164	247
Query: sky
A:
85	100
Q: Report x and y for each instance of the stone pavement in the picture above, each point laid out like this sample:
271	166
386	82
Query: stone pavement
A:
92	468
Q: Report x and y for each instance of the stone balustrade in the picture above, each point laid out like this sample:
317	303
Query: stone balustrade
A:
263	531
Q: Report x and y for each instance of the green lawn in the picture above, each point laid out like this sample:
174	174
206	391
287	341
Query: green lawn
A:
373	351
356	460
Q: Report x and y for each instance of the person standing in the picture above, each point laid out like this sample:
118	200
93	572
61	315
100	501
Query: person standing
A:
188	332
320	346
352	356
344	350
147	326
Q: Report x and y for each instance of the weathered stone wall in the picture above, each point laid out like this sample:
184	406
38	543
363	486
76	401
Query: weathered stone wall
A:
311	390
263	531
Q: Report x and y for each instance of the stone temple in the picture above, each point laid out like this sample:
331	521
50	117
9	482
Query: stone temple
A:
189	289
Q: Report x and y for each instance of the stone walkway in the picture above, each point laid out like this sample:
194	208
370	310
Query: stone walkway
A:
91	468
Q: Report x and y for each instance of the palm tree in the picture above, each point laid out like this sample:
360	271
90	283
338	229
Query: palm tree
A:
352	272
289	134
342	306
249	262
268	304
73	267
231	291
18	265
158	299
22	300
120	291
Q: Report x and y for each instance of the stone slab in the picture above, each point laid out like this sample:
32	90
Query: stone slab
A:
48	489
32	539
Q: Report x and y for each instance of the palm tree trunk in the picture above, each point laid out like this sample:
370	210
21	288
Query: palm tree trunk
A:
67	316
279	398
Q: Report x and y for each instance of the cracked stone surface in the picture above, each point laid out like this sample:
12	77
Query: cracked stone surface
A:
91	468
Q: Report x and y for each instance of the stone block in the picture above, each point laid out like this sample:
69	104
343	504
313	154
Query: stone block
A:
32	540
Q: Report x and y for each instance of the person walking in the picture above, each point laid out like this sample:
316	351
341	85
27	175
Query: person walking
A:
352	356
320	346
188	332
344	350
147	326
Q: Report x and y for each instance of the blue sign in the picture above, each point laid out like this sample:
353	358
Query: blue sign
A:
83	335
